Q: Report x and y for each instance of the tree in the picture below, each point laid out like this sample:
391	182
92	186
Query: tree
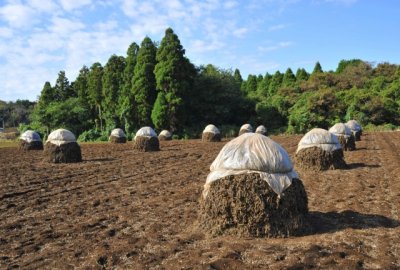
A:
62	88
343	64
174	76
81	85
302	75
238	77
47	95
95	89
276	82
112	85
288	78
159	113
144	82
317	68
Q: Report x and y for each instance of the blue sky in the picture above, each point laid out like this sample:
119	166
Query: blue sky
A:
38	38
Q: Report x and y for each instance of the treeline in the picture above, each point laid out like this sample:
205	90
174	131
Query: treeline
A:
156	85
12	114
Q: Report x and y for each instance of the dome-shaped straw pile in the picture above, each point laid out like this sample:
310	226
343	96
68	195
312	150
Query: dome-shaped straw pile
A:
117	136
246	128
30	140
165	135
355	127
261	130
345	136
61	147
252	190
146	140
319	150
211	134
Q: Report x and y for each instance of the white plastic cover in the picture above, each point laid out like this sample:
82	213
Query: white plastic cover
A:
341	129
30	136
117	132
211	129
166	133
261	129
247	127
61	136
146	132
353	125
253	153
320	138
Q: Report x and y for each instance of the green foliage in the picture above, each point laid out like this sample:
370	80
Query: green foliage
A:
288	78
343	64
159	114
317	68
144	82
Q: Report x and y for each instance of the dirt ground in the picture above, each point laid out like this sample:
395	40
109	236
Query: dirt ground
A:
124	209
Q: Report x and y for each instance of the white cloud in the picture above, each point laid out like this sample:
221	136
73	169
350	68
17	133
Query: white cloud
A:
230	4
6	32
276	27
46	6
64	26
240	32
274	47
17	15
70	5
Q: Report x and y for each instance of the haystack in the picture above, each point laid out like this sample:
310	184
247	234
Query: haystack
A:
355	127
211	134
246	128
165	135
320	150
30	140
61	147
252	190
146	140
117	136
345	136
261	130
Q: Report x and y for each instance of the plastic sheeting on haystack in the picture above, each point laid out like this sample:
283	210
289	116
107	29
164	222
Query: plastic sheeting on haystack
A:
320	138
117	132
30	136
261	129
341	129
211	129
354	125
146	132
253	153
166	133
247	127
61	136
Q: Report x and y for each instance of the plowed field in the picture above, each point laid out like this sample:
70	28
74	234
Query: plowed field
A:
123	209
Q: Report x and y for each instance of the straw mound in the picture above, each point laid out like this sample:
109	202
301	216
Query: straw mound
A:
115	139
317	159
347	144
262	132
243	131
65	153
357	135
164	138
210	137
146	144
35	145
245	205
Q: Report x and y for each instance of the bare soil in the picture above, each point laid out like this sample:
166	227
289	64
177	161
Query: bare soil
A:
125	209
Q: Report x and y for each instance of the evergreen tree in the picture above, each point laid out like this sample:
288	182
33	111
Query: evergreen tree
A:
112	85
47	95
288	78
251	84
262	87
276	82
144	82
126	100
174	76
159	113
238	77
317	68
81	85
302	75
62	88
95	89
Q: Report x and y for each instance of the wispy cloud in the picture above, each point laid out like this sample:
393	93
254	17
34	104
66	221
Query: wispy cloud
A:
274	47
276	27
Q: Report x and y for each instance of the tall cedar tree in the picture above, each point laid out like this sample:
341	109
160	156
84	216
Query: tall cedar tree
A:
288	78
174	75
62	88
317	68
301	75
276	82
95	89
144	82
81	85
126	99
112	85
